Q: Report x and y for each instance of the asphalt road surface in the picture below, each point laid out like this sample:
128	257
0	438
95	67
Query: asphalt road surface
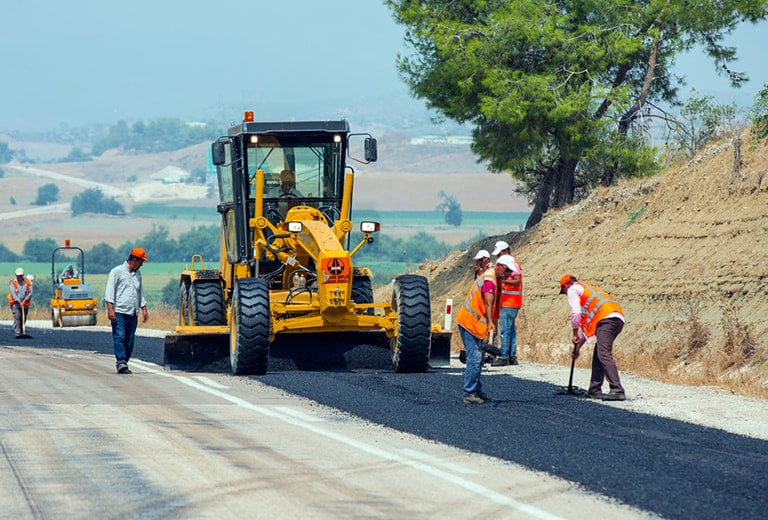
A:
77	440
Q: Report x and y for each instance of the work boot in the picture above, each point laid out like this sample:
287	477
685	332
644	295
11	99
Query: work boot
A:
485	397
473	399
513	360
122	368
501	362
615	396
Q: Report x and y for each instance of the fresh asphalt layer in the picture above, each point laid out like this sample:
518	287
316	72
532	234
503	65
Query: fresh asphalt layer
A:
671	468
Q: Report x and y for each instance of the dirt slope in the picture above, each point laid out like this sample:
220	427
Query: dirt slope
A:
683	253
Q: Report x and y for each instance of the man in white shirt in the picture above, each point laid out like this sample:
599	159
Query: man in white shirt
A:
124	296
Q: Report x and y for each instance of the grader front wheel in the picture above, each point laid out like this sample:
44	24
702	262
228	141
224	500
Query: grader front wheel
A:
249	327
410	298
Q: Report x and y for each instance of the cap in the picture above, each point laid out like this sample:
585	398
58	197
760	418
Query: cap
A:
564	280
69	266
139	252
507	261
19	271
482	254
499	247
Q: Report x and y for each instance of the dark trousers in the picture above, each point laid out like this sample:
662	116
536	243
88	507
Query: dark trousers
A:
603	365
123	335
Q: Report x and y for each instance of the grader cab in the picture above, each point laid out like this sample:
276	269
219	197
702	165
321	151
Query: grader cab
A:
286	259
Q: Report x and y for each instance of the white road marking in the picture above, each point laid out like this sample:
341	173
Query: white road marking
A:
274	412
210	382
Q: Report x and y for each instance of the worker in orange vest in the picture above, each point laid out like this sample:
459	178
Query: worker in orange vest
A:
475	324
595	314
20	294
509	300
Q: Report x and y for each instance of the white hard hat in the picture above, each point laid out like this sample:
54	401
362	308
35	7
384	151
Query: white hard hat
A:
19	271
482	254
500	246
507	261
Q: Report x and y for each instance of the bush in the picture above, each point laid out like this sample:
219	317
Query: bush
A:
94	201
39	249
46	194
759	114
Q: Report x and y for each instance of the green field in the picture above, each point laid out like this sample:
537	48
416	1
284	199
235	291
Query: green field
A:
154	275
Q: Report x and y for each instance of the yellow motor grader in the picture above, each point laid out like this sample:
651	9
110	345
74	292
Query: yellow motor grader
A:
286	262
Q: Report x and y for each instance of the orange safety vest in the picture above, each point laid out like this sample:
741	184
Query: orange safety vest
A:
15	283
513	295
596	304
471	314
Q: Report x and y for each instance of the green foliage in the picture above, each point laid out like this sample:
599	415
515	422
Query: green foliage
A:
160	135
202	240
413	250
544	83
102	258
701	120
160	247
758	115
93	201
169	295
634	215
77	155
43	291
39	249
6	154
6	255
451	208
46	194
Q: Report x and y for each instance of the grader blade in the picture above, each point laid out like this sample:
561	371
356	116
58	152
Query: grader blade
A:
440	350
194	352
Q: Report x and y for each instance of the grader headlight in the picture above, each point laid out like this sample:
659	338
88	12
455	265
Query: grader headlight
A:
369	227
294	227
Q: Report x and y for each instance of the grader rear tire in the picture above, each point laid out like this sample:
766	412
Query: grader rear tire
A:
184	302
410	298
206	300
249	327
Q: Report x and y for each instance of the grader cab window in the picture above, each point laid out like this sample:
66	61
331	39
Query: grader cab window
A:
296	172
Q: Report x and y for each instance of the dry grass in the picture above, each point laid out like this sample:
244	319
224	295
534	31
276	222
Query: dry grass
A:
731	360
160	318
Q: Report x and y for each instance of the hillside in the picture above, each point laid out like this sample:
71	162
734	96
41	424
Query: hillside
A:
406	177
682	252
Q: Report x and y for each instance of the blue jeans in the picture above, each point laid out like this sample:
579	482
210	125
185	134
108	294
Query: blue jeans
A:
508	332
472	384
123	334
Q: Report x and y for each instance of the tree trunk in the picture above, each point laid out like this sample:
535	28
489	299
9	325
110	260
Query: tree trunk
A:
541	203
566	173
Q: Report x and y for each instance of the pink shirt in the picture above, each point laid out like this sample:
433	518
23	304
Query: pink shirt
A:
575	291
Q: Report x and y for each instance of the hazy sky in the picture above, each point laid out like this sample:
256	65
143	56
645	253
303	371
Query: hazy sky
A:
96	61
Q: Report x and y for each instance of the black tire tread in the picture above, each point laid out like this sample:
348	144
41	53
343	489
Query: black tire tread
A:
206	298
410	298
251	326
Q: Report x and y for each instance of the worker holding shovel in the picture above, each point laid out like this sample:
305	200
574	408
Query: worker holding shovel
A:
20	298
595	313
